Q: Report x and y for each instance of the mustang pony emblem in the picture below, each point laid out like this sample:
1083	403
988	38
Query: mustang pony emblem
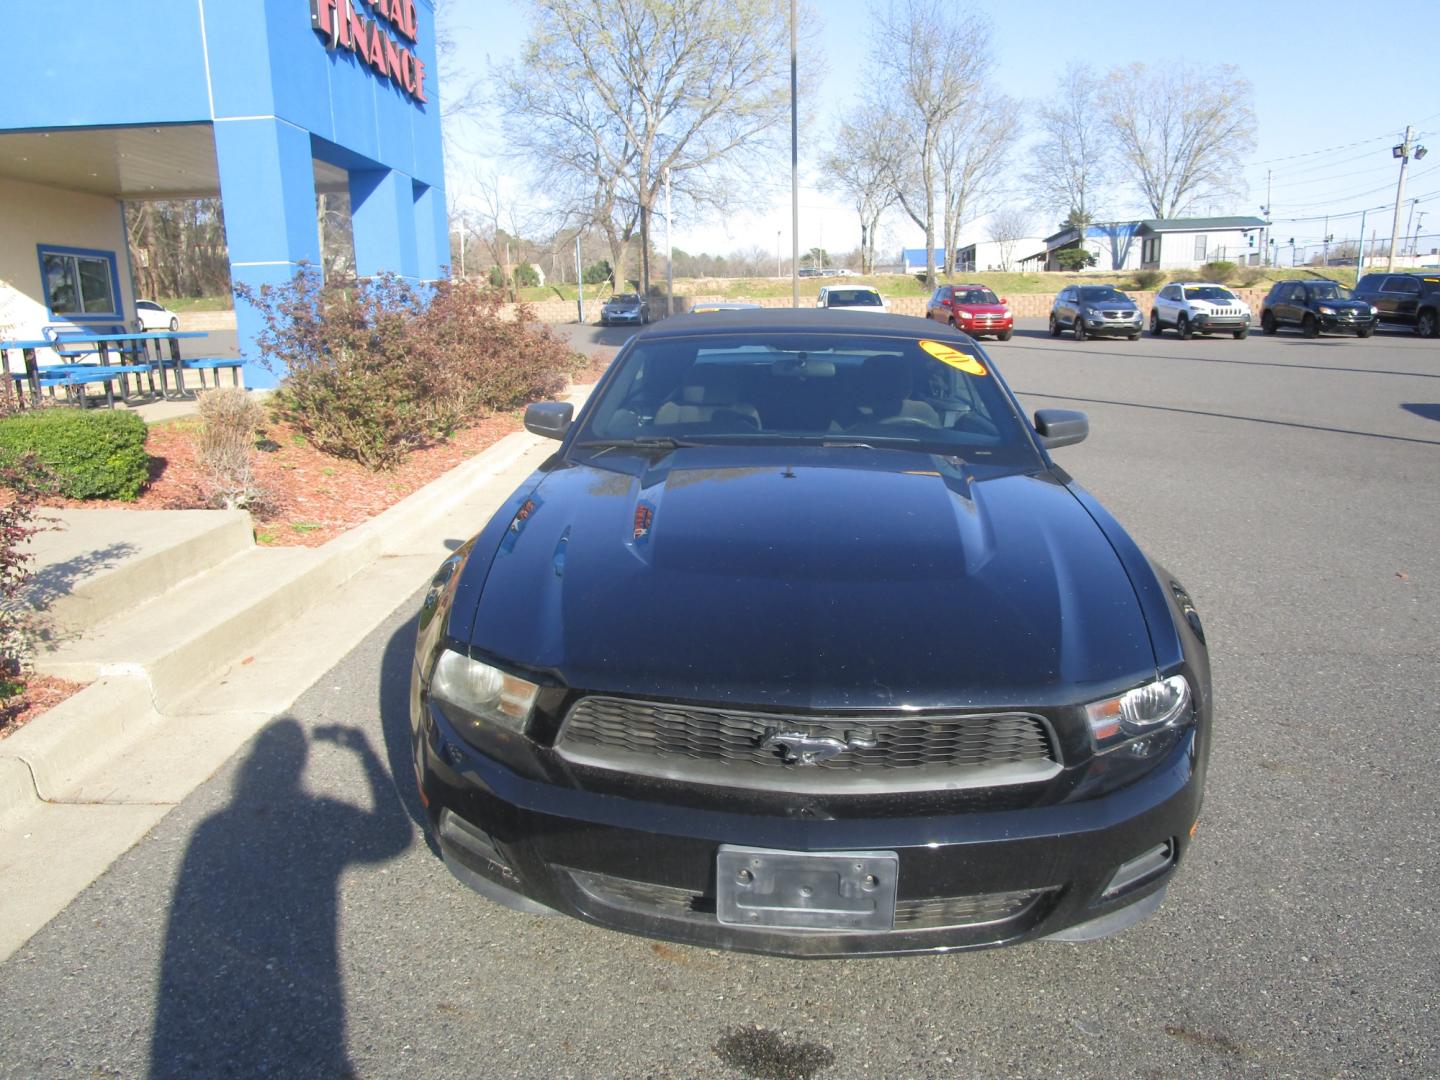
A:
803	749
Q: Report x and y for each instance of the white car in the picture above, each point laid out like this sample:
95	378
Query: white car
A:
852	297
154	317
1199	307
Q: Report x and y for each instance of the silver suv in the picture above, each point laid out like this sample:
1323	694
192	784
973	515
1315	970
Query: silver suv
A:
1199	307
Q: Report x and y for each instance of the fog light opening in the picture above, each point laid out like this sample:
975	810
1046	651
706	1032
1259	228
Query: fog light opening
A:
1140	869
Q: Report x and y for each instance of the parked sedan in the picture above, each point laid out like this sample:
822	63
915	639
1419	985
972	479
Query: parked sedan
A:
151	316
972	308
1095	311
625	308
1199	307
802	643
1315	306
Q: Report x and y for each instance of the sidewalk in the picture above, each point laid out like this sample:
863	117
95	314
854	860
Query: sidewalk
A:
85	781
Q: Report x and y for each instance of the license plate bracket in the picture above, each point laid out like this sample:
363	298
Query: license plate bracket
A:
800	890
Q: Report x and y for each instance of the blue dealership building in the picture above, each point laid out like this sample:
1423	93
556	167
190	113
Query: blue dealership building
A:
264	103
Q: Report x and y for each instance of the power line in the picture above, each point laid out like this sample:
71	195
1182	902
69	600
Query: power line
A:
1326	150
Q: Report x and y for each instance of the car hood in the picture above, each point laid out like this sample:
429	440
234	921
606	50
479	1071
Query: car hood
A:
1343	305
982	309
804	577
1110	305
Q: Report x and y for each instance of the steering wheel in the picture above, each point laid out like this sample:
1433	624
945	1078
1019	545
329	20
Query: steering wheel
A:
891	421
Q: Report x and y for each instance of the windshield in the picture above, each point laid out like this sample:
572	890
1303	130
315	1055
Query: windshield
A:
975	296
783	388
1213	293
852	298
1327	290
1095	293
625	298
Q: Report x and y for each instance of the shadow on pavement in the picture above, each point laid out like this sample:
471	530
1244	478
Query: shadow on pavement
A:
1229	416
250	978
1427	410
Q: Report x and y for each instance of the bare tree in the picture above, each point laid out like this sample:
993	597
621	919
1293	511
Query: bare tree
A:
1007	227
1073	158
688	86
1181	134
971	154
861	166
935	57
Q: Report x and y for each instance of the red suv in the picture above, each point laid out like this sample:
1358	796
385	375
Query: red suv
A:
973	309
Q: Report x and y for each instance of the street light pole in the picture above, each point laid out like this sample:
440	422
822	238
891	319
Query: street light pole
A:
777	253
669	253
794	167
1403	152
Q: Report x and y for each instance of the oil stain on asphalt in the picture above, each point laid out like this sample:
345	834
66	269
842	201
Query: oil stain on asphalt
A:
768	1055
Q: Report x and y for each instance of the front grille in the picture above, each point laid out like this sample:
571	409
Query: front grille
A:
881	753
667	901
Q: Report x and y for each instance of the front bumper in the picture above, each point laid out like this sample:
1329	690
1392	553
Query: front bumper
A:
621	317
979	327
1113	327
1206	323
965	880
1346	324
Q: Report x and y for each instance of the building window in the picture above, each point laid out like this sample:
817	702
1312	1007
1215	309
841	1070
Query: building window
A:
1150	250
80	284
1200	248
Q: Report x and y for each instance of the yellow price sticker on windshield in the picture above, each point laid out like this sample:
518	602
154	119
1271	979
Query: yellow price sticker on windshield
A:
956	359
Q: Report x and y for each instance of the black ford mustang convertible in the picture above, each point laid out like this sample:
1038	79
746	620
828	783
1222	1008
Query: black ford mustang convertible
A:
801	643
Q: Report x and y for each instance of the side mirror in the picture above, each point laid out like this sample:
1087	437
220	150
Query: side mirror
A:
551	419
1004	299
1056	427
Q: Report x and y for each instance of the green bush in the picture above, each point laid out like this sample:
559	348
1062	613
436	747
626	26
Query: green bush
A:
526	276
1219	271
90	455
1075	258
597	273
1149	279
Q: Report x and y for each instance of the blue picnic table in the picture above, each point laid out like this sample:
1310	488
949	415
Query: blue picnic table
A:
132	349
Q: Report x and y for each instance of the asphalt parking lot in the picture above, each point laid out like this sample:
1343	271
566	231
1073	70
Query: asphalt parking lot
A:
289	919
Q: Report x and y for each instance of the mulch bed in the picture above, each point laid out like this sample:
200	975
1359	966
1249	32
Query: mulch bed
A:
41	693
309	497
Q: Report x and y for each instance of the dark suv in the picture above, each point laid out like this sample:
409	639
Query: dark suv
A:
1314	306
1405	299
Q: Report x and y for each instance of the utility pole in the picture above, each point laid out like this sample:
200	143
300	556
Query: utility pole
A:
1408	224
579	279
1403	152
669	253
1325	241
1266	211
777	253
1360	263
794	167
1415	243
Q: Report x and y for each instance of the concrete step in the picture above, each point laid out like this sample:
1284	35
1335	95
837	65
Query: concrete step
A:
97	564
193	632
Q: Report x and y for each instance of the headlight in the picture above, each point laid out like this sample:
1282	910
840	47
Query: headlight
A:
1374	310
964	314
1007	313
1155	707
481	694
1326	310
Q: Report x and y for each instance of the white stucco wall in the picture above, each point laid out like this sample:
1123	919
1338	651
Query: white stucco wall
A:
1177	250
31	215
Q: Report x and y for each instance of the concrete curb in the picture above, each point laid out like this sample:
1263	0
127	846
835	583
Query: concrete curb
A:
99	723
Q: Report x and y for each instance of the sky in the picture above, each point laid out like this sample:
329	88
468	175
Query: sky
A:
1333	92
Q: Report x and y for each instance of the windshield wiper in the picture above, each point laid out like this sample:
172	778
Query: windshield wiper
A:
660	442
